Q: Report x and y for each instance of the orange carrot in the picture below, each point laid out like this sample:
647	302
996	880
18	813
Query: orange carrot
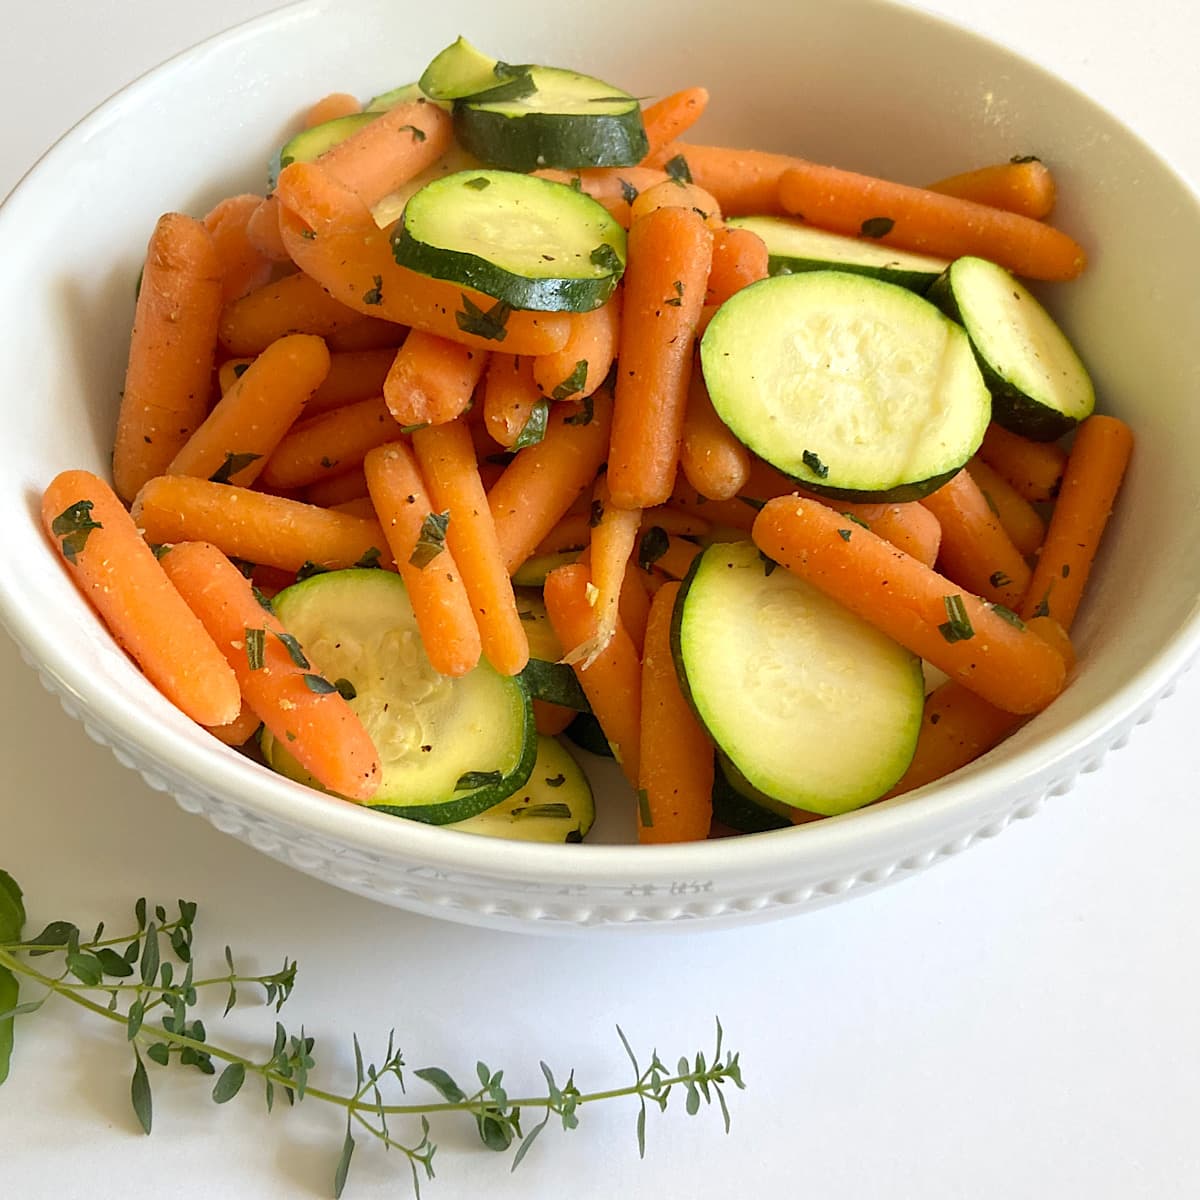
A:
332	237
169	373
715	462
238	731
677	557
614	187
435	585
575	529
388	151
510	398
551	719
956	631
1095	468
243	266
353	375
668	259
329	444
447	462
975	551
675	771
1021	521
675	193
230	371
928	222
367	333
432	379
262	229
1033	468
254	526
543	481
318	727
583	363
117	572
1023	186
252	418
739	259
329	108
613	681
293	304
729	514
360	506
634	606
668	118
744	182
337	488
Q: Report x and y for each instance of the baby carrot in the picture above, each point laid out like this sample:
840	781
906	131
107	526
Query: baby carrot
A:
169	373
677	557
583	363
975	551
352	257
669	254
1095	468
715	462
510	397
238	731
739	259
744	182
676	193
431	575
293	304
929	222
329	444
254	526
634	605
675	770
243	266
318	727
329	108
922	610
1021	521
360	506
447	462
367	333
262	228
117	572
551	719
353	375
543	481
610	186
432	379
612	682
1033	468
1023	186
251	419
337	488
668	118
729	514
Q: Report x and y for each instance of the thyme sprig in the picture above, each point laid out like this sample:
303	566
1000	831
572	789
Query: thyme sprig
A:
145	981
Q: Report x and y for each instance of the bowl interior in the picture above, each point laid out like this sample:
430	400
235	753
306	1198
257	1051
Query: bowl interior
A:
818	79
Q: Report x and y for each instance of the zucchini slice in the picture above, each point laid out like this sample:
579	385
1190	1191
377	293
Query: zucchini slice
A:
856	388
586	733
793	247
1040	388
311	143
813	706
533	571
401	95
463	70
390	209
545	677
566	120
555	805
450	748
529	242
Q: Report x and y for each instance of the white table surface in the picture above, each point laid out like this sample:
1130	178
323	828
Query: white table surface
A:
1019	1021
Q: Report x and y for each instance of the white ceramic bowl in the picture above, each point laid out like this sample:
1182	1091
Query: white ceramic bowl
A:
826	82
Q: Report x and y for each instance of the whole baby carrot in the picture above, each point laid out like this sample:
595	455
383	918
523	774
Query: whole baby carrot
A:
715	462
1020	519
739	259
1024	186
243	266
432	379
303	710
582	365
262	228
510	398
1033	468
251	419
353	375
336	488
914	605
169	372
116	570
449	632
928	222
254	526
329	444
669	254
238	731
329	108
293	304
668	118
744	182
675	768
677	193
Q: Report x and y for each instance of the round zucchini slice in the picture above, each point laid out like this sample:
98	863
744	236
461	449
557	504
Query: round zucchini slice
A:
450	748
811	705
856	388
464	70
528	242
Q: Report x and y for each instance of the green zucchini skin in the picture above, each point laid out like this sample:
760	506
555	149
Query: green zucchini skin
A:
739	811
1017	408
586	733
464	70
401	95
533	571
309	144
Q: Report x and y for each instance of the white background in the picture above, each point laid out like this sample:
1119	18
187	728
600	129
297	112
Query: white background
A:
1020	1021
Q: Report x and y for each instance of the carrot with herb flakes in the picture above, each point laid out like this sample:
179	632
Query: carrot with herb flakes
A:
542	482
329	444
582	365
669	254
262	229
432	379
238	731
928	222
446	459
612	681
254	526
243	266
416	536
678	193
1033	468
1095	468
511	400
337	488
744	182
1021	521
117	572
239	436
1024	185
303	710
739	259
293	304
716	464
993	655
615	188
169	371
671	555
353	375
670	117
367	333
675	769
331	107
975	549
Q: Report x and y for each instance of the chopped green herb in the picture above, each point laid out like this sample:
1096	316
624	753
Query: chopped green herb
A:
1019	159
576	184
414	428
264	601
477	779
1066	570
560	811
239	369
750	502
345	688
418	135
375	294
597	513
645	816
370	558
844	534
678	169
1008	615
958	628
769	564
606	258
158	549
1043	608
628	192
573	382
327	462
245	566
256	648
555	781
231	466
587	410
318	684
478	183
998	579
654	544
308	569
431	541
74	525
291	737
489	323
987	497
813	462
857	520
534	428
293	648
309	235
677	300
877	227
